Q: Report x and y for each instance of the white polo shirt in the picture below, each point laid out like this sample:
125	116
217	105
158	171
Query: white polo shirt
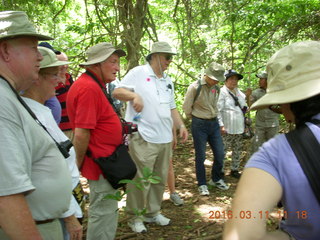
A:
155	124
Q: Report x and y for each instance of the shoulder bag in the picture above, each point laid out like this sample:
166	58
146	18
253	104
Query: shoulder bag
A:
119	165
248	132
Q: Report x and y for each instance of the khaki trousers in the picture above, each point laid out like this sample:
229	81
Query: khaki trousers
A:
103	213
155	157
48	231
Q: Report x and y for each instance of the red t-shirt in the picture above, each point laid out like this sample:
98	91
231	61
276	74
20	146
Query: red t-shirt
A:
89	108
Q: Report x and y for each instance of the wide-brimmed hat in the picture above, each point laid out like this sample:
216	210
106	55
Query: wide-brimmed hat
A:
16	24
262	75
161	47
48	45
100	52
231	72
49	58
215	71
293	74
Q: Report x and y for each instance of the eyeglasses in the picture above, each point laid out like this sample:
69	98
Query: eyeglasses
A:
51	75
168	57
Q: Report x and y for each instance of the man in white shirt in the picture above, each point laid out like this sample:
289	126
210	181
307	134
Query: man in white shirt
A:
150	94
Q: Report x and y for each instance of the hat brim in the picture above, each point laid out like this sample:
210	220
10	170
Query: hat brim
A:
56	64
233	74
27	34
119	52
219	79
172	53
294	94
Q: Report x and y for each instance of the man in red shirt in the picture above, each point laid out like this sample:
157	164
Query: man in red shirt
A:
97	129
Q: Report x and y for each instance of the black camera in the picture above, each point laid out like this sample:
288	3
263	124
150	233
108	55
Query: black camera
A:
64	148
129	127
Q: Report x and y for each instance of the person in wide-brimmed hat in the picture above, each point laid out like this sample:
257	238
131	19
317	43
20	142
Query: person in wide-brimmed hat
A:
200	104
232	106
277	172
150	93
98	130
35	183
35	96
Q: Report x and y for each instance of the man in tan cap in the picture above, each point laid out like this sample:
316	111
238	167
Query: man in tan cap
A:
97	133
267	120
150	93
200	104
35	183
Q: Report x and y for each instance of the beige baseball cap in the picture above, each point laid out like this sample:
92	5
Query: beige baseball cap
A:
293	74
16	24
100	52
215	71
262	75
49	58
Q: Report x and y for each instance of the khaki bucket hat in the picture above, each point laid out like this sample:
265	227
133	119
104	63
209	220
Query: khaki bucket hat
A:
215	71
15	24
293	74
100	52
161	47
49	58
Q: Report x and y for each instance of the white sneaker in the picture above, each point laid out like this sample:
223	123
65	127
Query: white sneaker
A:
159	219
137	225
219	184
203	190
175	198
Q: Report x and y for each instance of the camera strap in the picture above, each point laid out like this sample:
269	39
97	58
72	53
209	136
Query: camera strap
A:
109	99
30	112
104	91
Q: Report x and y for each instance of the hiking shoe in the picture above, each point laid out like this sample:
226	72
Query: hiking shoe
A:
235	174
159	220
203	190
219	184
137	225
175	198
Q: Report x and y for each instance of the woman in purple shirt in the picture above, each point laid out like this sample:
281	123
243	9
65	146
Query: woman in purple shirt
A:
273	173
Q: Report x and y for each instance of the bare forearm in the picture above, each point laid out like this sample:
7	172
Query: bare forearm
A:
126	95
123	94
16	219
81	142
177	121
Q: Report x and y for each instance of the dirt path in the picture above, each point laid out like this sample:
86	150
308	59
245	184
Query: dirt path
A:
201	217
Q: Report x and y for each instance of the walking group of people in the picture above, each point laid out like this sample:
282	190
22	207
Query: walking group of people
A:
218	117
40	160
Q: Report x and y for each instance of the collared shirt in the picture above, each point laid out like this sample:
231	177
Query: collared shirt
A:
231	115
88	108
205	106
155	123
264	117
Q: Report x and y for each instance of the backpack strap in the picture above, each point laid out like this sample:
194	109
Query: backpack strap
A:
198	90
307	150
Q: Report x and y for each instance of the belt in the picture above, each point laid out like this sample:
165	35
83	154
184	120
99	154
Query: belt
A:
44	221
208	119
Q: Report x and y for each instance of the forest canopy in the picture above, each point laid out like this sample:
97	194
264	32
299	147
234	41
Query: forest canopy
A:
239	34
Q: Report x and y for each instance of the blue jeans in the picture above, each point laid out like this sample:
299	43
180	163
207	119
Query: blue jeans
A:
204	131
